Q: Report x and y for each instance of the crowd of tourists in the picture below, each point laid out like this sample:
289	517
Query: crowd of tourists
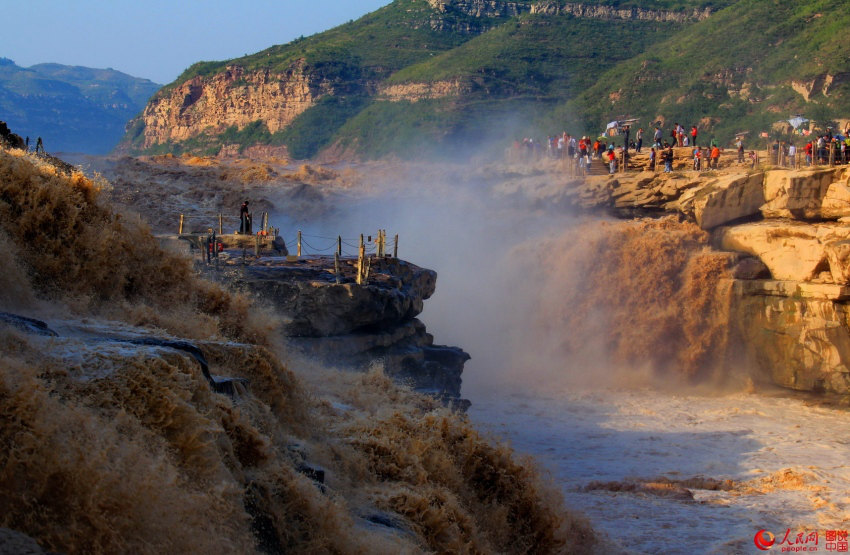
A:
827	148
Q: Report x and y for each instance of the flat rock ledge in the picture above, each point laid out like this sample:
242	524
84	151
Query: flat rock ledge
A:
332	319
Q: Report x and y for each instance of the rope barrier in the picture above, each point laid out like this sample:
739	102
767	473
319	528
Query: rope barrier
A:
308	245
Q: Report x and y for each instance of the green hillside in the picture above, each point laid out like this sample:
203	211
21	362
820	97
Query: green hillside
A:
516	74
734	71
508	69
75	109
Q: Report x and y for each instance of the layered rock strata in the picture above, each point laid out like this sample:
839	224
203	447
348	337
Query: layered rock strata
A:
345	324
787	235
234	97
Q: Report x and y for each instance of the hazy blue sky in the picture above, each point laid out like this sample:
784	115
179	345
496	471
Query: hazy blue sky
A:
158	39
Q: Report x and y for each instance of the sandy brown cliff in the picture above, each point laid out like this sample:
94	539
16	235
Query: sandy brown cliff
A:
246	91
233	97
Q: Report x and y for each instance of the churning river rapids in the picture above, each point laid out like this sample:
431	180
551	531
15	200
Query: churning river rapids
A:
786	457
654	471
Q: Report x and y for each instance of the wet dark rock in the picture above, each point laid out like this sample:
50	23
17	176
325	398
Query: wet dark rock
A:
406	353
13	542
219	384
27	325
315	473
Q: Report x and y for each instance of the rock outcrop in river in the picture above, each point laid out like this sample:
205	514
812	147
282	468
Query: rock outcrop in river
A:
350	325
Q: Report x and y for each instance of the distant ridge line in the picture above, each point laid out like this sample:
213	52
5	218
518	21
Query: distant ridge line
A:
508	8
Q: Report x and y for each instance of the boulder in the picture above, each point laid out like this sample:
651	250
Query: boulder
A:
792	250
836	203
838	255
727	199
798	194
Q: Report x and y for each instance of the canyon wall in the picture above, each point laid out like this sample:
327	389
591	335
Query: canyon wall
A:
776	246
233	97
196	112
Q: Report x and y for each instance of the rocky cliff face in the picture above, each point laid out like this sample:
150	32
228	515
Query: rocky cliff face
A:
231	98
501	8
480	8
350	325
578	9
200	109
786	232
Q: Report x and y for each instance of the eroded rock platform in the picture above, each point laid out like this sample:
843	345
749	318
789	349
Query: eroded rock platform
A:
330	318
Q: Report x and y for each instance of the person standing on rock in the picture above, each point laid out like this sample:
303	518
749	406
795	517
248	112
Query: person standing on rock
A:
39	146
657	137
715	157
639	138
652	159
244	219
693	135
668	160
792	155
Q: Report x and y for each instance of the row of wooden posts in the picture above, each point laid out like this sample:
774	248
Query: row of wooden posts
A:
380	244
364	263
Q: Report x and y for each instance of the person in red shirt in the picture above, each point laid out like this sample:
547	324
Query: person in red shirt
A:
808	150
715	156
693	135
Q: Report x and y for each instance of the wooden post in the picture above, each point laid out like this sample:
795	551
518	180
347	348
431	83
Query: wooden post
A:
336	268
257	245
339	245
361	254
220	224
180	227
395	247
299	242
831	153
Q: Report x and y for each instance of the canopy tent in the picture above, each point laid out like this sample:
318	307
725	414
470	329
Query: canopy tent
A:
797	121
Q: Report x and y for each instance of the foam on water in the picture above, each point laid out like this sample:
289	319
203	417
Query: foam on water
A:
787	458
